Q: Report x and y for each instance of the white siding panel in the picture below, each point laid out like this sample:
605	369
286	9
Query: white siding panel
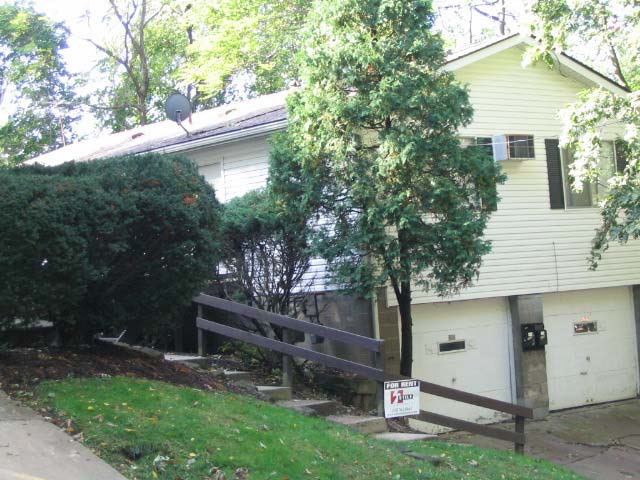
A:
535	249
237	168
244	166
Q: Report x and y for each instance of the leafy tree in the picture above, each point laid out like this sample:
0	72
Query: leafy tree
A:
247	47
607	28
265	252
471	21
147	43
35	86
610	27
105	245
378	157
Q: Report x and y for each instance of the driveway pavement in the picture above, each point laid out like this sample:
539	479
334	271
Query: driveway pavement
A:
33	449
601	442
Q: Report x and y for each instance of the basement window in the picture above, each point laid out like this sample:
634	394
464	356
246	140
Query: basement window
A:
451	347
585	327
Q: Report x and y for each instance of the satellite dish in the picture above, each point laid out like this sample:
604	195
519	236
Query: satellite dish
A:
177	107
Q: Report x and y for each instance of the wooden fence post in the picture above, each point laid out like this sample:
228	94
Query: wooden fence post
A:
519	447
201	339
380	363
287	361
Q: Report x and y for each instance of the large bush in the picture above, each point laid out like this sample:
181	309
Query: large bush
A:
105	245
265	251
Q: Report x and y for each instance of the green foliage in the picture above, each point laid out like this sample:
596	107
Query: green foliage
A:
145	45
252	39
106	244
134	423
620	215
34	79
378	155
265	251
610	27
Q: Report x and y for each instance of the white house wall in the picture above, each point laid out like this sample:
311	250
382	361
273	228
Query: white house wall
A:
234	168
535	249
238	167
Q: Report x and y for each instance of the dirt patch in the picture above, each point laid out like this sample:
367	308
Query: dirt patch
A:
22	369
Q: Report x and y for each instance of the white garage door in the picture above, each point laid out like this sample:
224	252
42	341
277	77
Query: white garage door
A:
463	345
591	354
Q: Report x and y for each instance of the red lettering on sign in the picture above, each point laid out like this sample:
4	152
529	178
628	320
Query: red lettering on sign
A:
398	397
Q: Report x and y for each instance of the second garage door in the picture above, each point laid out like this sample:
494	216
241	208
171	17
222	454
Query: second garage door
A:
591	354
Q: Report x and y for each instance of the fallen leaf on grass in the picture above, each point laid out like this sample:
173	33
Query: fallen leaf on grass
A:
217	474
242	473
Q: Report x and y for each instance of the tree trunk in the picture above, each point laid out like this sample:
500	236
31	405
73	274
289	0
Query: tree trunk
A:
406	326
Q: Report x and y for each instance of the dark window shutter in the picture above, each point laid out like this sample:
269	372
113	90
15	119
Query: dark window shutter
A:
621	156
554	172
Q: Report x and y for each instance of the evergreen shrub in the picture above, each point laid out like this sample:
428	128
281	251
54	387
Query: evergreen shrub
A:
105	245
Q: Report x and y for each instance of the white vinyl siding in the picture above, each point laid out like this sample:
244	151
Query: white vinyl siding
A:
535	249
243	166
238	167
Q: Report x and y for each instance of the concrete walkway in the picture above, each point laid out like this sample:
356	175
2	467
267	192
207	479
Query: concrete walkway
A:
33	449
601	442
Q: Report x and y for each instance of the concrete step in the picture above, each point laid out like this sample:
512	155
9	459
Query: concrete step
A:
237	376
404	437
366	425
321	408
189	359
275	393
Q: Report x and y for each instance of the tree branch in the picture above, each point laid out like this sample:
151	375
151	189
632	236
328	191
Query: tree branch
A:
616	64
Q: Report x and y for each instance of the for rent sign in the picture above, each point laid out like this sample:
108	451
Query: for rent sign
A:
401	398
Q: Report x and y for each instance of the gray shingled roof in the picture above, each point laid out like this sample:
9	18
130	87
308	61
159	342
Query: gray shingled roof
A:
208	124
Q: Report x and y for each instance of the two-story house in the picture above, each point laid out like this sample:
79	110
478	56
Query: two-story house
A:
537	326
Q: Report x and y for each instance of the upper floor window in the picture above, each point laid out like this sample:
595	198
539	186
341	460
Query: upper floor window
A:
592	192
484	143
521	146
561	195
503	147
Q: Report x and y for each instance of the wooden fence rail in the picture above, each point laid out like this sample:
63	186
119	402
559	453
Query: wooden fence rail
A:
376	372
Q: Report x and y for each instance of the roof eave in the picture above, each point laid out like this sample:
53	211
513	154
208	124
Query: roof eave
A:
226	137
563	59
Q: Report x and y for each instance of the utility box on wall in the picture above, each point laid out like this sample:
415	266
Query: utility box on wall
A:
534	336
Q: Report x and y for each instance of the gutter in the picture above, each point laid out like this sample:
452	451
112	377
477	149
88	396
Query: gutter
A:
227	137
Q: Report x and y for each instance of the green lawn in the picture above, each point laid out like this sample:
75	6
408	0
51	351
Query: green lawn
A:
153	430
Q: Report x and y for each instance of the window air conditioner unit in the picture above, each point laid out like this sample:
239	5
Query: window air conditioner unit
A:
500	148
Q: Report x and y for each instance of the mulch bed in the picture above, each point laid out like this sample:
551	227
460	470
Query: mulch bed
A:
22	369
